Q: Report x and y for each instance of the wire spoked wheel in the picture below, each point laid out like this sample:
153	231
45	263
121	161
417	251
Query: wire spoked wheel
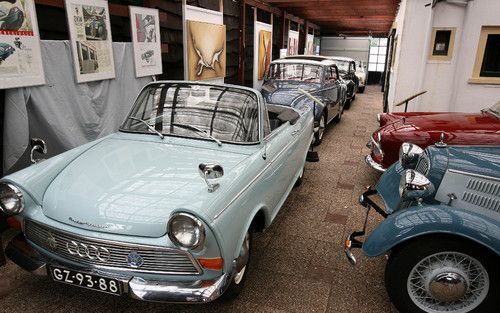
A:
448	282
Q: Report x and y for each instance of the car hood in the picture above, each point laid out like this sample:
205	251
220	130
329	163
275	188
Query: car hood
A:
448	122
285	92
131	187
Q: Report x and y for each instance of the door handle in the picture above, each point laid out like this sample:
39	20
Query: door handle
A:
295	132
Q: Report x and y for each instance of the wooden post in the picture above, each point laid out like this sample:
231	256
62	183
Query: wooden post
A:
241	50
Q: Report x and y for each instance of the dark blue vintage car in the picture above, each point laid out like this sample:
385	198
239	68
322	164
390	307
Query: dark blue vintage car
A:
442	229
299	82
6	50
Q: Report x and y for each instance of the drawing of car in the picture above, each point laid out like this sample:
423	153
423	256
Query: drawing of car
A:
6	50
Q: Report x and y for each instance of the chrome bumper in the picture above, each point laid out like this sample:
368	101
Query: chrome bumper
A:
373	164
200	291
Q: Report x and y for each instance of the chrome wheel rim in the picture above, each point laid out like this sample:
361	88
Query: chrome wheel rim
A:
448	282
241	264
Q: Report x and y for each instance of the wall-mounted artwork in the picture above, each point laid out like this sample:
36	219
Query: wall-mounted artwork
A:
310	48
90	34
293	42
206	50
146	41
265	49
20	56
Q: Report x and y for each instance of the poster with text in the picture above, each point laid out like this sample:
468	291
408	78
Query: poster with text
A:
90	34
206	50
20	56
146	41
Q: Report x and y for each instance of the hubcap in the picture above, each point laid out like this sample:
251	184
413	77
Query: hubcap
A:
448	287
448	282
321	127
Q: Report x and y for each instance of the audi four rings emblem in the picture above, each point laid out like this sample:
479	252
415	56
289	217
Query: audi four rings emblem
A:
90	252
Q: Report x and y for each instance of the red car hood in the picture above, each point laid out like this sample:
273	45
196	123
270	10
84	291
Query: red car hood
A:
448	122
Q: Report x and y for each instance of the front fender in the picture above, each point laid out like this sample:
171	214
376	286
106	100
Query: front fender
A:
439	219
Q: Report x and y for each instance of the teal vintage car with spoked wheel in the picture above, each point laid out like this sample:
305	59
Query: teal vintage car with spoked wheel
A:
441	228
163	210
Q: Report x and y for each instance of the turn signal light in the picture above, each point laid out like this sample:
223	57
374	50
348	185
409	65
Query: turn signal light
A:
211	263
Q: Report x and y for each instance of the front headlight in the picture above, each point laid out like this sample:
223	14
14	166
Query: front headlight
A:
186	231
11	199
409	155
414	185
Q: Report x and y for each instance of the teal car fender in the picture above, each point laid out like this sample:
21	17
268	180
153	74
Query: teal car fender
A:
418	221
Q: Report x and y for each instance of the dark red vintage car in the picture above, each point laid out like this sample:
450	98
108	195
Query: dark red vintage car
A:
426	128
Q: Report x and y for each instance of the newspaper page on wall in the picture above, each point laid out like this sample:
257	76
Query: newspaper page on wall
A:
20	58
146	41
90	34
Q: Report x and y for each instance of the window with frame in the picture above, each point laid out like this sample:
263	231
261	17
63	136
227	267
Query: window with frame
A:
378	51
331	74
487	65
442	43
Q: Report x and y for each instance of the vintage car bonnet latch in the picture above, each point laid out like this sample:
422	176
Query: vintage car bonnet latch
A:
210	171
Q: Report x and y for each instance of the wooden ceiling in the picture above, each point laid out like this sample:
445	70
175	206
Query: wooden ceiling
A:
344	17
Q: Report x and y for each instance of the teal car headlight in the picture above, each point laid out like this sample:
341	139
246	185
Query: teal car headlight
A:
11	199
414	185
409	155
186	231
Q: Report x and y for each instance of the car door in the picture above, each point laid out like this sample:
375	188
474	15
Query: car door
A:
281	162
332	91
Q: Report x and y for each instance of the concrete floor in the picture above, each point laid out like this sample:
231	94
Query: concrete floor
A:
297	265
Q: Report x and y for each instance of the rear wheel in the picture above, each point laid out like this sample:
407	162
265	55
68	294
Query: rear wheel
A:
361	89
298	182
347	104
238	281
443	275
339	115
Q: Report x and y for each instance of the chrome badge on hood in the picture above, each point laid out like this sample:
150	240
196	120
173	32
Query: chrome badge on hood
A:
87	223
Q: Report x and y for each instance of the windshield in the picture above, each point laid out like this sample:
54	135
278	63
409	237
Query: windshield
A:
295	71
494	109
207	112
343	66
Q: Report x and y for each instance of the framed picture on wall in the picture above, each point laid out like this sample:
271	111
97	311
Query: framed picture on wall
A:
265	49
206	50
146	41
20	54
90	34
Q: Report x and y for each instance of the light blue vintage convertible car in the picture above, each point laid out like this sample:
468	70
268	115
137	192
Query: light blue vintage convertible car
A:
164	209
442	228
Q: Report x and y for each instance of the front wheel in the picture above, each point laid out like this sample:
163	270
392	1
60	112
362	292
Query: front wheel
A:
236	285
318	136
442	275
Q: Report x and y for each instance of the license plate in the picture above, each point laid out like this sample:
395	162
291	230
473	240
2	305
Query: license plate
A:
85	280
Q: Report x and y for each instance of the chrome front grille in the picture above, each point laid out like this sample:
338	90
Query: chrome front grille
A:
113	254
423	164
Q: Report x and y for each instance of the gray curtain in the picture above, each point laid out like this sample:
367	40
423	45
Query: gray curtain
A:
63	113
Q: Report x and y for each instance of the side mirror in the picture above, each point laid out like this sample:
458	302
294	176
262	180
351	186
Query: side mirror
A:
37	145
210	171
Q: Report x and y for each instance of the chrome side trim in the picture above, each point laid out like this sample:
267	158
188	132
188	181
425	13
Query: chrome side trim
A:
474	175
373	164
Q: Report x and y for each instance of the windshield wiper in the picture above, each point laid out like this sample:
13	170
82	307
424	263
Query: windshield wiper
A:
198	130
151	128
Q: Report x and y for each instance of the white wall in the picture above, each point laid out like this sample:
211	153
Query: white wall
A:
446	82
357	48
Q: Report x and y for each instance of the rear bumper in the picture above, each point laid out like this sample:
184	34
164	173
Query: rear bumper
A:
351	242
199	291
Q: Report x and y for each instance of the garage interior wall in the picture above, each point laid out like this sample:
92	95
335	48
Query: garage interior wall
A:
446	81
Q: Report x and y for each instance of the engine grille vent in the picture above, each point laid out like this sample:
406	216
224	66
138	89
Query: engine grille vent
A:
423	164
483	193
